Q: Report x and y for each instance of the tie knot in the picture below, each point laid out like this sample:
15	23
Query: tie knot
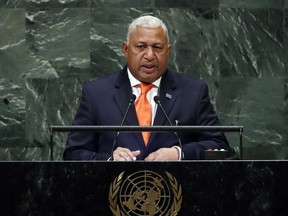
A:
145	87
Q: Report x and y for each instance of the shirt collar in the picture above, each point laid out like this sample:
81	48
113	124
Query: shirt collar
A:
135	82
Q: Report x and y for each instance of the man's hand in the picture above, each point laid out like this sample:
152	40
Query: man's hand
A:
124	154
164	154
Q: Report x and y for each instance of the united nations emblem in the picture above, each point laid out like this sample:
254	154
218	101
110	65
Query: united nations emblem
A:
145	193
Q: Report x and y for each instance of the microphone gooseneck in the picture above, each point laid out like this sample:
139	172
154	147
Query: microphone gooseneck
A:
158	102
131	101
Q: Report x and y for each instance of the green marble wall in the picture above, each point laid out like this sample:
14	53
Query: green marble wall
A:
48	48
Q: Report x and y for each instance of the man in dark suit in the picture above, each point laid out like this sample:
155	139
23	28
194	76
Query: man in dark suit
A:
104	101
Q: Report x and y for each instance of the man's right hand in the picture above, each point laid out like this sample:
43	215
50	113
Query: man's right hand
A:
124	154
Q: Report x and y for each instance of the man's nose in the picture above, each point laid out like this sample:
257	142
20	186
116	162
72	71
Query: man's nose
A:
149	53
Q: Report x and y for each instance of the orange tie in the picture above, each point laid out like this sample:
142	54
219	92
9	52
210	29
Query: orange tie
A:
143	110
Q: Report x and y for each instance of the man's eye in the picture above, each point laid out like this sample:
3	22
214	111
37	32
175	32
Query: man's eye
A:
140	46
157	48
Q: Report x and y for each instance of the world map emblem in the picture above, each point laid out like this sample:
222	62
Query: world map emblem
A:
145	193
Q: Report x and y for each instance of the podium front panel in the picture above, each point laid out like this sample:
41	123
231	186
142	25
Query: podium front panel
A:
144	188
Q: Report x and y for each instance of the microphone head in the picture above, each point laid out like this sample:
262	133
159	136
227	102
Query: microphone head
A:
156	99
132	98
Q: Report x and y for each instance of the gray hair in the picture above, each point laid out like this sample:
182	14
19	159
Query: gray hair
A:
146	22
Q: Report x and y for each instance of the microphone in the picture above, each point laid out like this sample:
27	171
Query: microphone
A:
157	101
131	101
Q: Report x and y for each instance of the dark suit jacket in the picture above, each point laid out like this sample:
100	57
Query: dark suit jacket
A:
105	100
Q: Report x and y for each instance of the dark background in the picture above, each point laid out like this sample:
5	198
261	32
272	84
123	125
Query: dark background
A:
49	48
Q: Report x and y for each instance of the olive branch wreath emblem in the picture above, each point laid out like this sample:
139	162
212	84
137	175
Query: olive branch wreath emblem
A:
175	186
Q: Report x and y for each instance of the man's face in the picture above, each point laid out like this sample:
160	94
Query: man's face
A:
147	53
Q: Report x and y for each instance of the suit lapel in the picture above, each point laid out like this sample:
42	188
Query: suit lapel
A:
122	96
168	96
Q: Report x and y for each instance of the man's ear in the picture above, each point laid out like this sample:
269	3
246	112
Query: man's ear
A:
169	50
125	49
